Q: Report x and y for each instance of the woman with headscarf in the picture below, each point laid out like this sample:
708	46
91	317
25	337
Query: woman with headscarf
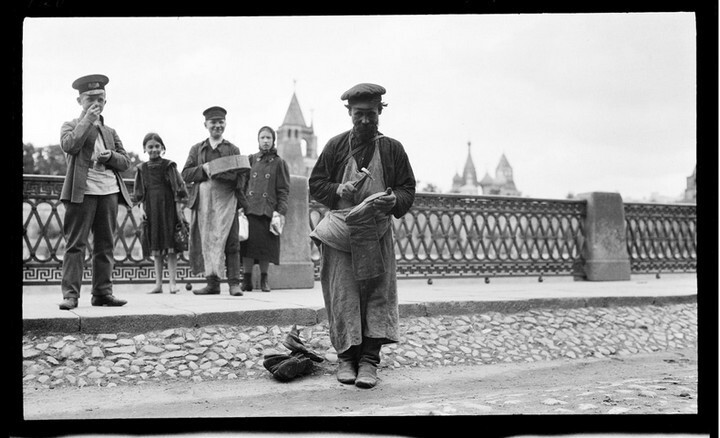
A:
267	199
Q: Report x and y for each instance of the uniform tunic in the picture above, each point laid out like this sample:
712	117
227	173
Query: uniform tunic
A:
361	308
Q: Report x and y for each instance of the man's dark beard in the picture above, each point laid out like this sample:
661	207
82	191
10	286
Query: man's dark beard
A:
365	131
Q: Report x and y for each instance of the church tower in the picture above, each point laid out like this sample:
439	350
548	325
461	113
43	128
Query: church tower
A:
467	183
504	178
296	141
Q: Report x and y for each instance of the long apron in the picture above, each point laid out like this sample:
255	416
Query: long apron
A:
212	222
360	308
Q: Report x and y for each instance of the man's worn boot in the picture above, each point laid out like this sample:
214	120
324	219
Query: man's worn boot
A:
212	288
368	363
347	365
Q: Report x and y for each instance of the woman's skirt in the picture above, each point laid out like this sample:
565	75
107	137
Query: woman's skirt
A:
261	243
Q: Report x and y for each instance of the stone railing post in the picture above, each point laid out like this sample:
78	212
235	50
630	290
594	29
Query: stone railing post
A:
296	269
605	252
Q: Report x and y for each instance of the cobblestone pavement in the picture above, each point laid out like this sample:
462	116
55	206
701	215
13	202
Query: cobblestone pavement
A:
228	352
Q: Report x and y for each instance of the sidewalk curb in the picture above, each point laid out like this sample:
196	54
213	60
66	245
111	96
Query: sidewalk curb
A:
74	324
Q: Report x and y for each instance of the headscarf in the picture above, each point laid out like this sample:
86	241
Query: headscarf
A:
273	148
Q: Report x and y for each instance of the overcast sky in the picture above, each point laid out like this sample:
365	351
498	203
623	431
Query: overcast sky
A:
576	102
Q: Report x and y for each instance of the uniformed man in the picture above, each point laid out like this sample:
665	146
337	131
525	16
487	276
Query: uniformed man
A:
357	274
91	192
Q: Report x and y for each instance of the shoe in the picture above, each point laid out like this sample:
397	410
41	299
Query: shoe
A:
69	303
247	282
236	290
292	367
272	361
264	286
107	300
293	343
346	372
366	375
207	290
157	290
212	288
174	291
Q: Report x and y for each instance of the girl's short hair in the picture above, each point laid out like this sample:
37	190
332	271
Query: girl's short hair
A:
152	136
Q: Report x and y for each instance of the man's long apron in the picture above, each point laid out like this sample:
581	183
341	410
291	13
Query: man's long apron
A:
211	223
360	308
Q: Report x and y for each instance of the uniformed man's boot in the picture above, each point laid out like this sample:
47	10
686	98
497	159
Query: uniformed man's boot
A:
236	289
368	363
212	288
232	260
347	365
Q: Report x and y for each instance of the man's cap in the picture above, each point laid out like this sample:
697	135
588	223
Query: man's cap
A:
364	93
214	112
91	84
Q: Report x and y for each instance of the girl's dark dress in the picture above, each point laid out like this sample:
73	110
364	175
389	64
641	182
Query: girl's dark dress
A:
159	186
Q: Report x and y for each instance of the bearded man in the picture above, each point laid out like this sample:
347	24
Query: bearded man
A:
364	178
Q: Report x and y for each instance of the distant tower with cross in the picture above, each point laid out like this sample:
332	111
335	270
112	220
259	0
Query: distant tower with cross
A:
296	140
468	184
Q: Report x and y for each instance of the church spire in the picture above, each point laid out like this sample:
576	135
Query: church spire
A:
294	115
469	173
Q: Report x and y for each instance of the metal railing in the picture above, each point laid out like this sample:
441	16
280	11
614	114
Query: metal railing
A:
458	235
661	237
441	235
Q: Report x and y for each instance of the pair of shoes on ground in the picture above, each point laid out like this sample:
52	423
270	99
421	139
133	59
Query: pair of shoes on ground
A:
364	376
293	343
285	367
96	300
299	362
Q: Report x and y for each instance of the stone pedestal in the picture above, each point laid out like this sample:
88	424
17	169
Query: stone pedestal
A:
605	253
296	269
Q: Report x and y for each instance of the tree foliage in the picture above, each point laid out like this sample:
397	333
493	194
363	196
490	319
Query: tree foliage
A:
50	160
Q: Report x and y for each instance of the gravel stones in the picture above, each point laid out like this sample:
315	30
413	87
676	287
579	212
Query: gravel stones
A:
231	352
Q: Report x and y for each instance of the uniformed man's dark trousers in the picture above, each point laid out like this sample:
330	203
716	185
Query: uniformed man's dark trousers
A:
96	214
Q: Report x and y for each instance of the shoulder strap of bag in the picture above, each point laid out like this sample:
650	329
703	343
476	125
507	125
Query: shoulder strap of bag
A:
352	151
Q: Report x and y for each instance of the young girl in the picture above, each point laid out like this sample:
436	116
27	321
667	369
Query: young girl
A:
161	189
267	198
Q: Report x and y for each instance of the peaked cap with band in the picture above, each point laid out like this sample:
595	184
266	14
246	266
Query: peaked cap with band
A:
214	112
91	84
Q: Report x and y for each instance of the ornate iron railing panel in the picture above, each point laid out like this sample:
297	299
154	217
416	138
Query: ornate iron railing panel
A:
661	237
44	245
457	235
441	235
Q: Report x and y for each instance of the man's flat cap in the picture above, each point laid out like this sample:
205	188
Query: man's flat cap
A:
214	112
91	84
363	93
